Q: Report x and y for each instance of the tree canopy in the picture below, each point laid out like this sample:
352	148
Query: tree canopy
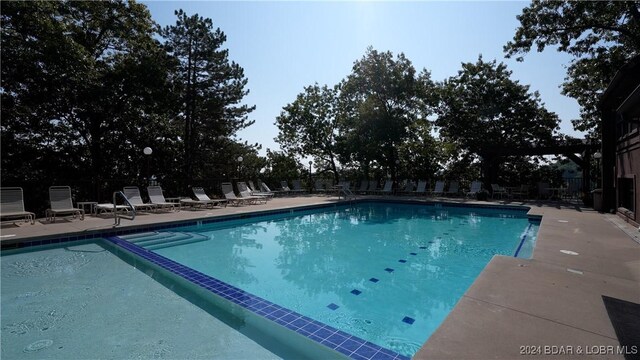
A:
85	86
601	35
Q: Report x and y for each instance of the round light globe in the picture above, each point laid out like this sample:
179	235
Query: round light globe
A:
147	151
240	159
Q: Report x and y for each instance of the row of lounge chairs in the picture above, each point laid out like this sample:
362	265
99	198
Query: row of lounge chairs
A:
61	203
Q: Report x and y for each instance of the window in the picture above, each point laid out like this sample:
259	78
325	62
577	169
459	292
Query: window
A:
626	193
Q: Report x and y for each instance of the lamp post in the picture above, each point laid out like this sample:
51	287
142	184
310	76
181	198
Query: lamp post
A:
147	151
239	165
310	164
598	156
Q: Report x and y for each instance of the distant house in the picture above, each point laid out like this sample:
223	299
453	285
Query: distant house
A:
620	109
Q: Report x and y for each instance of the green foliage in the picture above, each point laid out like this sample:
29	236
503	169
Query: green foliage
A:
601	35
85	86
482	107
309	127
208	87
282	166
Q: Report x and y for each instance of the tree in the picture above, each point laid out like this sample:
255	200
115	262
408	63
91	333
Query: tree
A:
80	82
381	100
209	88
309	127
482	107
601	35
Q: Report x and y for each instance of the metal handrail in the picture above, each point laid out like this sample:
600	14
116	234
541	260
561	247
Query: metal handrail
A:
115	208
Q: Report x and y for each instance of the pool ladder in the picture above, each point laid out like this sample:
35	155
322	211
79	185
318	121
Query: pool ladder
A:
115	208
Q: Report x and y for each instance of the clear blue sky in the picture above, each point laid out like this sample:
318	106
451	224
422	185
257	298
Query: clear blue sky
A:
285	46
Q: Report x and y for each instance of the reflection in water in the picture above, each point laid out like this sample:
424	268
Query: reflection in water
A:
432	255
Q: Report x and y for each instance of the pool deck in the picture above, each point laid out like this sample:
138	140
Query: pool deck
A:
515	305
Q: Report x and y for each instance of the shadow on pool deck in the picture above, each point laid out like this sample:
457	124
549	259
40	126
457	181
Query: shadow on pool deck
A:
515	305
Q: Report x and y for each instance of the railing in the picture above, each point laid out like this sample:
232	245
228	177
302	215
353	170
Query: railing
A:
115	208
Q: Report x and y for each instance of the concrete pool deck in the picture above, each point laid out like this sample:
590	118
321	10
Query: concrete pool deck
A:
553	299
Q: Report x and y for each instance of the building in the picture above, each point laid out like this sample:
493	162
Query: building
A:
620	171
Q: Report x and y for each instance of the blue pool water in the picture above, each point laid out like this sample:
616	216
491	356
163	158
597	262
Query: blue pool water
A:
388	273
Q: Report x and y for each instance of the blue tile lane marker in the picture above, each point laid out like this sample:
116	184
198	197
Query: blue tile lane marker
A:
413	253
402	261
356	292
423	247
317	331
374	280
524	237
408	320
390	270
333	306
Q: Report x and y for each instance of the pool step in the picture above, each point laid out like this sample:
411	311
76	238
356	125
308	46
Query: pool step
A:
157	240
193	239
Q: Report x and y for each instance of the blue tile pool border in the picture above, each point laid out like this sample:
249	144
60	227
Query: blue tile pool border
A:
326	335
21	243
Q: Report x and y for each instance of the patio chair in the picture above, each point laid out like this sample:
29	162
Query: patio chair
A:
265	189
246	194
498	190
408	188
132	193
157	197
454	189
227	191
364	185
61	203
387	189
297	187
421	188
254	191
203	198
373	187
284	187
476	186
521	193
438	189
12	205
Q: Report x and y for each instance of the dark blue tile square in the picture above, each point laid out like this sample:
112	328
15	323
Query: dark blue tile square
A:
402	261
388	270
408	320
374	280
356	292
333	306
311	327
300	322
289	317
366	351
351	344
336	338
413	254
344	351
324	333
382	356
423	247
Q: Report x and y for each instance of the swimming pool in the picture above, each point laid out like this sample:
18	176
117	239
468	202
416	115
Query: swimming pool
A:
345	267
387	273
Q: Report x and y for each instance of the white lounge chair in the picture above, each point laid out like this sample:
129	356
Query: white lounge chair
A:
498	190
297	187
421	188
476	187
387	189
157	197
245	194
227	191
61	203
364	185
12	205
254	191
204	199
132	193
439	188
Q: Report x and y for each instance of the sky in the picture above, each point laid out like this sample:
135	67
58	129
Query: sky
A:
287	45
